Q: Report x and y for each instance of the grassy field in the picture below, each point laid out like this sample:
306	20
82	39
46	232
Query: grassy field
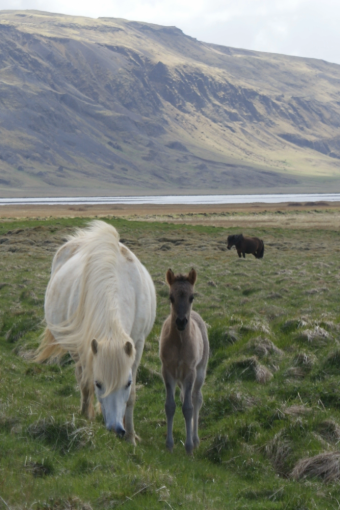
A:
271	397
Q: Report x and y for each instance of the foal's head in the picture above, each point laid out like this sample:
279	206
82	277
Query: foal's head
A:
181	296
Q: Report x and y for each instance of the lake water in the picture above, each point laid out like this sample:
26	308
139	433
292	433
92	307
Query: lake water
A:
176	199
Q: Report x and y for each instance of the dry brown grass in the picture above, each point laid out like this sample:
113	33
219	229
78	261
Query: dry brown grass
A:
325	466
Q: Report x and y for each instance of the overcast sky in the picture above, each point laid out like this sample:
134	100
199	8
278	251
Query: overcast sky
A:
307	28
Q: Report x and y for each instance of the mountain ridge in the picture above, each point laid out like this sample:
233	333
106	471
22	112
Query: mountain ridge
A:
120	107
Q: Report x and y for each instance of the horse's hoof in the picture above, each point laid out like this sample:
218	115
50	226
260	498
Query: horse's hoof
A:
189	448
170	446
131	438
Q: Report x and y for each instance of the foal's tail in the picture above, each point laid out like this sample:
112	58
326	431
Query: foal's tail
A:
260	251
48	348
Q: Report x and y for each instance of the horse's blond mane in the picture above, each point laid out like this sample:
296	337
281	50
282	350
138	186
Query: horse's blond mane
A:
97	313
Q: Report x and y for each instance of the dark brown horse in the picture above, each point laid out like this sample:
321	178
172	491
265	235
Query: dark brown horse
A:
245	245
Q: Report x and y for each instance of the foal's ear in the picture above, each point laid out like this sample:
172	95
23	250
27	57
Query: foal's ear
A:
128	348
170	277
94	346
192	276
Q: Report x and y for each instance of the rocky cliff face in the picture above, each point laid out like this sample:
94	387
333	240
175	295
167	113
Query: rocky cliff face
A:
111	106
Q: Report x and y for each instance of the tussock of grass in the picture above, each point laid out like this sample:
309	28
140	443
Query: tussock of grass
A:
278	450
317	336
296	372
293	324
256	326
227	404
249	369
325	466
63	436
304	360
332	362
262	347
297	410
329	430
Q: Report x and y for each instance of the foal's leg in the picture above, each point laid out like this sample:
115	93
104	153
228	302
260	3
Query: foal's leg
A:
170	406
187	409
197	400
130	434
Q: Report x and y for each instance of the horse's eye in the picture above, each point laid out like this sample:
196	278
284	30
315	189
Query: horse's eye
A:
129	384
191	298
99	386
171	299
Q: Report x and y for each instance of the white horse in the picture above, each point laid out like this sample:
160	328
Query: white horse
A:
100	305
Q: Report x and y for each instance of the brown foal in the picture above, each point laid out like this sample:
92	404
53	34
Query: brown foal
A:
184	352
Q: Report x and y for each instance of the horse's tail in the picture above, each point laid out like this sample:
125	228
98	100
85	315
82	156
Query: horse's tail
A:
260	251
48	348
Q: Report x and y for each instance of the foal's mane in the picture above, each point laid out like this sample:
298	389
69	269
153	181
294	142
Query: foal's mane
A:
96	315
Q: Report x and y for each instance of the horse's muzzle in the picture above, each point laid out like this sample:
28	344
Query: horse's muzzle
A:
181	323
120	431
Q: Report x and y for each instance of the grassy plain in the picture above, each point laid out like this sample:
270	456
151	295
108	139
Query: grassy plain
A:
272	394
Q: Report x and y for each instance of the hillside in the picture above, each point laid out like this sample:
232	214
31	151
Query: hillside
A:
110	106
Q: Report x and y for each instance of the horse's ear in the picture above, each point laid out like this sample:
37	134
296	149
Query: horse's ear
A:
170	277
128	348
94	346
192	276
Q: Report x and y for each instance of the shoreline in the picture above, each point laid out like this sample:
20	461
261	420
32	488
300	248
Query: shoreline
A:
140	210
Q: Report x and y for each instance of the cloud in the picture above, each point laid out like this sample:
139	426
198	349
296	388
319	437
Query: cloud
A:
308	28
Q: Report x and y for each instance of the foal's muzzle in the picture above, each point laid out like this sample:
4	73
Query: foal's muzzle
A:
181	323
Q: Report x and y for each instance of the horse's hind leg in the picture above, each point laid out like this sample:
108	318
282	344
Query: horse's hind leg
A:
197	400
170	406
187	409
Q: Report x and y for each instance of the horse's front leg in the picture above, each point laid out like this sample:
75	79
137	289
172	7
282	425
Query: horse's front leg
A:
86	395
187	409
239	253
130	434
170	406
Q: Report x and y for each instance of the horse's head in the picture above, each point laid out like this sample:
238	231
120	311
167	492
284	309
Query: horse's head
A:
112	375
181	296
233	240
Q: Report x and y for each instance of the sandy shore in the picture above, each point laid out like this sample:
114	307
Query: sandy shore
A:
292	214
121	210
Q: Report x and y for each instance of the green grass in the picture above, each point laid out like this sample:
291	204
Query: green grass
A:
279	315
